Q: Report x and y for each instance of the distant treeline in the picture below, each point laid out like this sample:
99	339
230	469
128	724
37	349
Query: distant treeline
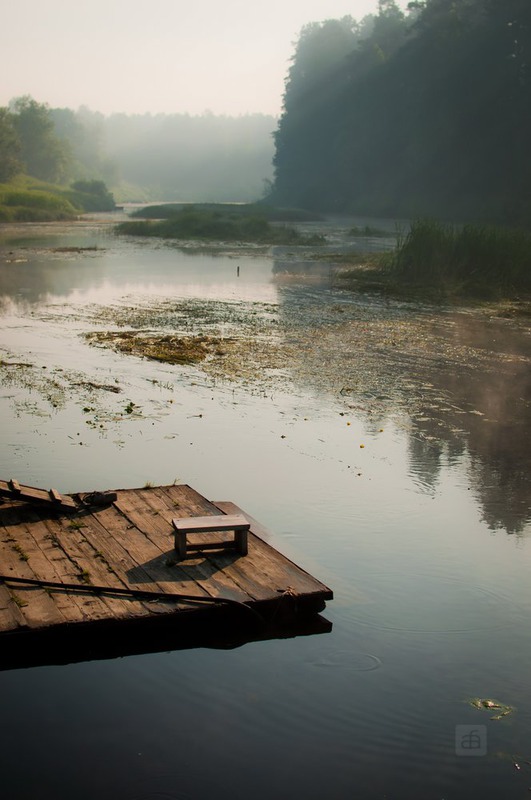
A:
188	158
420	113
35	167
141	157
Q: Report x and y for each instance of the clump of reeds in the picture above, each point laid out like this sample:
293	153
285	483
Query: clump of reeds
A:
470	258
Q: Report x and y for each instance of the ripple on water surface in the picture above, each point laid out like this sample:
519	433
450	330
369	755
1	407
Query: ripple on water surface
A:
432	604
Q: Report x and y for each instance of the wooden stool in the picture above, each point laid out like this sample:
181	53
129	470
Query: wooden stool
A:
223	522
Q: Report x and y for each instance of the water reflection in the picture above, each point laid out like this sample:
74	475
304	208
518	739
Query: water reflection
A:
429	608
462	380
32	282
119	269
489	420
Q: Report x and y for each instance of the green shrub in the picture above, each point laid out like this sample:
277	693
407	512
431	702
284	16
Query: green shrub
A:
215	224
234	210
90	196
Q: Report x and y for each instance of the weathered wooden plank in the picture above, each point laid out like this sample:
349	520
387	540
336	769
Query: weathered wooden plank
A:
129	545
91	570
116	557
11	617
275	565
32	494
31	537
45	532
119	525
188	500
37	607
206	569
144	517
146	512
145	557
248	580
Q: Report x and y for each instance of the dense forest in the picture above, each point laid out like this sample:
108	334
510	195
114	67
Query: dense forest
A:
141	157
424	112
420	113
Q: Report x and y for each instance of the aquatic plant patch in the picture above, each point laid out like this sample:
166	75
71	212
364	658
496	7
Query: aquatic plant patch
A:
167	348
498	709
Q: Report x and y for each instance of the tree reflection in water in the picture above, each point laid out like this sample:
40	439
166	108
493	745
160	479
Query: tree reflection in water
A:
462	377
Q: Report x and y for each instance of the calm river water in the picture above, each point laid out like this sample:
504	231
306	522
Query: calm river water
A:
386	447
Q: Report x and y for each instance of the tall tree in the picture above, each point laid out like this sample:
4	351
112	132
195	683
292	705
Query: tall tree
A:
307	129
45	156
10	163
429	113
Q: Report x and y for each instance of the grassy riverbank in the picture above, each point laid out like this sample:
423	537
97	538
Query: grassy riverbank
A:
26	199
447	261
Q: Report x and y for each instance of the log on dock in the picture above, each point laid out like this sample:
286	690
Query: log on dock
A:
103	579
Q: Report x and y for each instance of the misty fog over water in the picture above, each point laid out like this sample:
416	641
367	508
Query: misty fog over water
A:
382	442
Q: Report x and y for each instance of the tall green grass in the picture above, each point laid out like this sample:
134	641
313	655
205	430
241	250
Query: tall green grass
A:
476	259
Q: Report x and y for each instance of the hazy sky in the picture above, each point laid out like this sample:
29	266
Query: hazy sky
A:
227	56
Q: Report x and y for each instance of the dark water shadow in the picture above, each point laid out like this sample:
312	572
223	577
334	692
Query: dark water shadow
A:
215	628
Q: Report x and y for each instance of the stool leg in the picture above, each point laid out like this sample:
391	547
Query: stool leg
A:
240	537
180	544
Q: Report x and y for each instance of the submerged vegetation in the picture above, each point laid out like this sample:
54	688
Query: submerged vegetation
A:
166	348
219	223
501	709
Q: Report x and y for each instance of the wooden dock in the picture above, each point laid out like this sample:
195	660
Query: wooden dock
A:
96	575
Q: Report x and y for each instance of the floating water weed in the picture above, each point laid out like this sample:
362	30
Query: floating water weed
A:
488	704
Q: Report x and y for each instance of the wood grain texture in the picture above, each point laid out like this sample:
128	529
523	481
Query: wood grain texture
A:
129	545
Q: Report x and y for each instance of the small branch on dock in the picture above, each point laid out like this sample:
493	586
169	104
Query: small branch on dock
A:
133	594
